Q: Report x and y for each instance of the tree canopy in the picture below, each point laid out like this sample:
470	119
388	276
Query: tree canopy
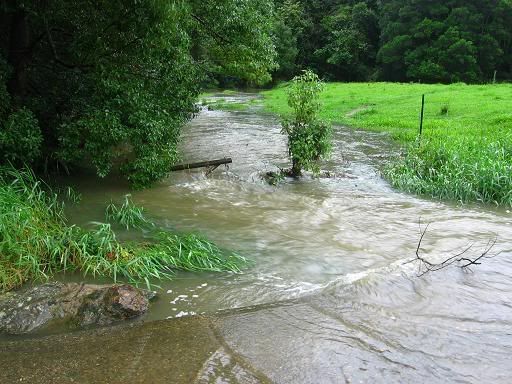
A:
398	40
113	81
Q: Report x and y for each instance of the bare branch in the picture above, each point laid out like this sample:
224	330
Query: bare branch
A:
464	262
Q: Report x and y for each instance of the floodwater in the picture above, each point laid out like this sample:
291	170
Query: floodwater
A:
330	297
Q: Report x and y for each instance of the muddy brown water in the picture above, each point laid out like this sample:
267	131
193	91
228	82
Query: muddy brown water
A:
330	297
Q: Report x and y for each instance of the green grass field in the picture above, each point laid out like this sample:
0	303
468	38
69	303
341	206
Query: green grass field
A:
466	146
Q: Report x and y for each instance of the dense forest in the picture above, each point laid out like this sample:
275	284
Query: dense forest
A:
396	40
100	82
110	83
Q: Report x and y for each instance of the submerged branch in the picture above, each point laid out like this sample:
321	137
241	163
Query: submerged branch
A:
461	259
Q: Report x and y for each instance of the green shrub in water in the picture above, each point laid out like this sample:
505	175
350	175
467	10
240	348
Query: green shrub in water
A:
309	138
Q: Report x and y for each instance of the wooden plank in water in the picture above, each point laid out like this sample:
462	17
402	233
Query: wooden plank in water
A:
209	163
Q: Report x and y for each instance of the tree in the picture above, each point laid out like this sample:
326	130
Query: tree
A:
309	139
290	21
338	38
398	40
445	41
107	82
350	49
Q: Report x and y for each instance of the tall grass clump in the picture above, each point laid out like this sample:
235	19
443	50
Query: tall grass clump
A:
32	228
128	214
36	242
461	169
193	252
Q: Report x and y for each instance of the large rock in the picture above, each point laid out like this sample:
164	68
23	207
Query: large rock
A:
72	305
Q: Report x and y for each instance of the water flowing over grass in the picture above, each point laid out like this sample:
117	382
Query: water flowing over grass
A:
465	153
36	241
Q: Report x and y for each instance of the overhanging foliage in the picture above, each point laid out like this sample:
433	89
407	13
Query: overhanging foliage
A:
113	81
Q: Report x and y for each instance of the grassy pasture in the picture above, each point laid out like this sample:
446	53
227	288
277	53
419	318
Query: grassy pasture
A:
465	152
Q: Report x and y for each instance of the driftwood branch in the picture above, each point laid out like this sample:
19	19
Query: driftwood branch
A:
461	259
210	163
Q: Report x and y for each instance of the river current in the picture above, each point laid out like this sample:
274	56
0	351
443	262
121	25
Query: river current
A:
331	296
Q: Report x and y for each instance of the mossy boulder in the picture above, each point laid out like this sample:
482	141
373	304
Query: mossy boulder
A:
70	305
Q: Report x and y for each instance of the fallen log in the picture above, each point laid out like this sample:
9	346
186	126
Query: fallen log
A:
210	163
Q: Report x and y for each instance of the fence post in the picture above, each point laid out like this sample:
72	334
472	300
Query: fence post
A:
421	115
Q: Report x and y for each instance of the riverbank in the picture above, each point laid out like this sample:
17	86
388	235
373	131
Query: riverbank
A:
466	144
36	240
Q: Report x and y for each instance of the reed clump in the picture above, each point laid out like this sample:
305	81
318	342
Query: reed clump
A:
128	214
461	169
36	241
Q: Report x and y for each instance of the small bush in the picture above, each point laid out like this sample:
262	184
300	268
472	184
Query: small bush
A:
20	138
274	178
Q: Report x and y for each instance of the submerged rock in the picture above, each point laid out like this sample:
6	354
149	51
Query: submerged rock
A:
72	304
